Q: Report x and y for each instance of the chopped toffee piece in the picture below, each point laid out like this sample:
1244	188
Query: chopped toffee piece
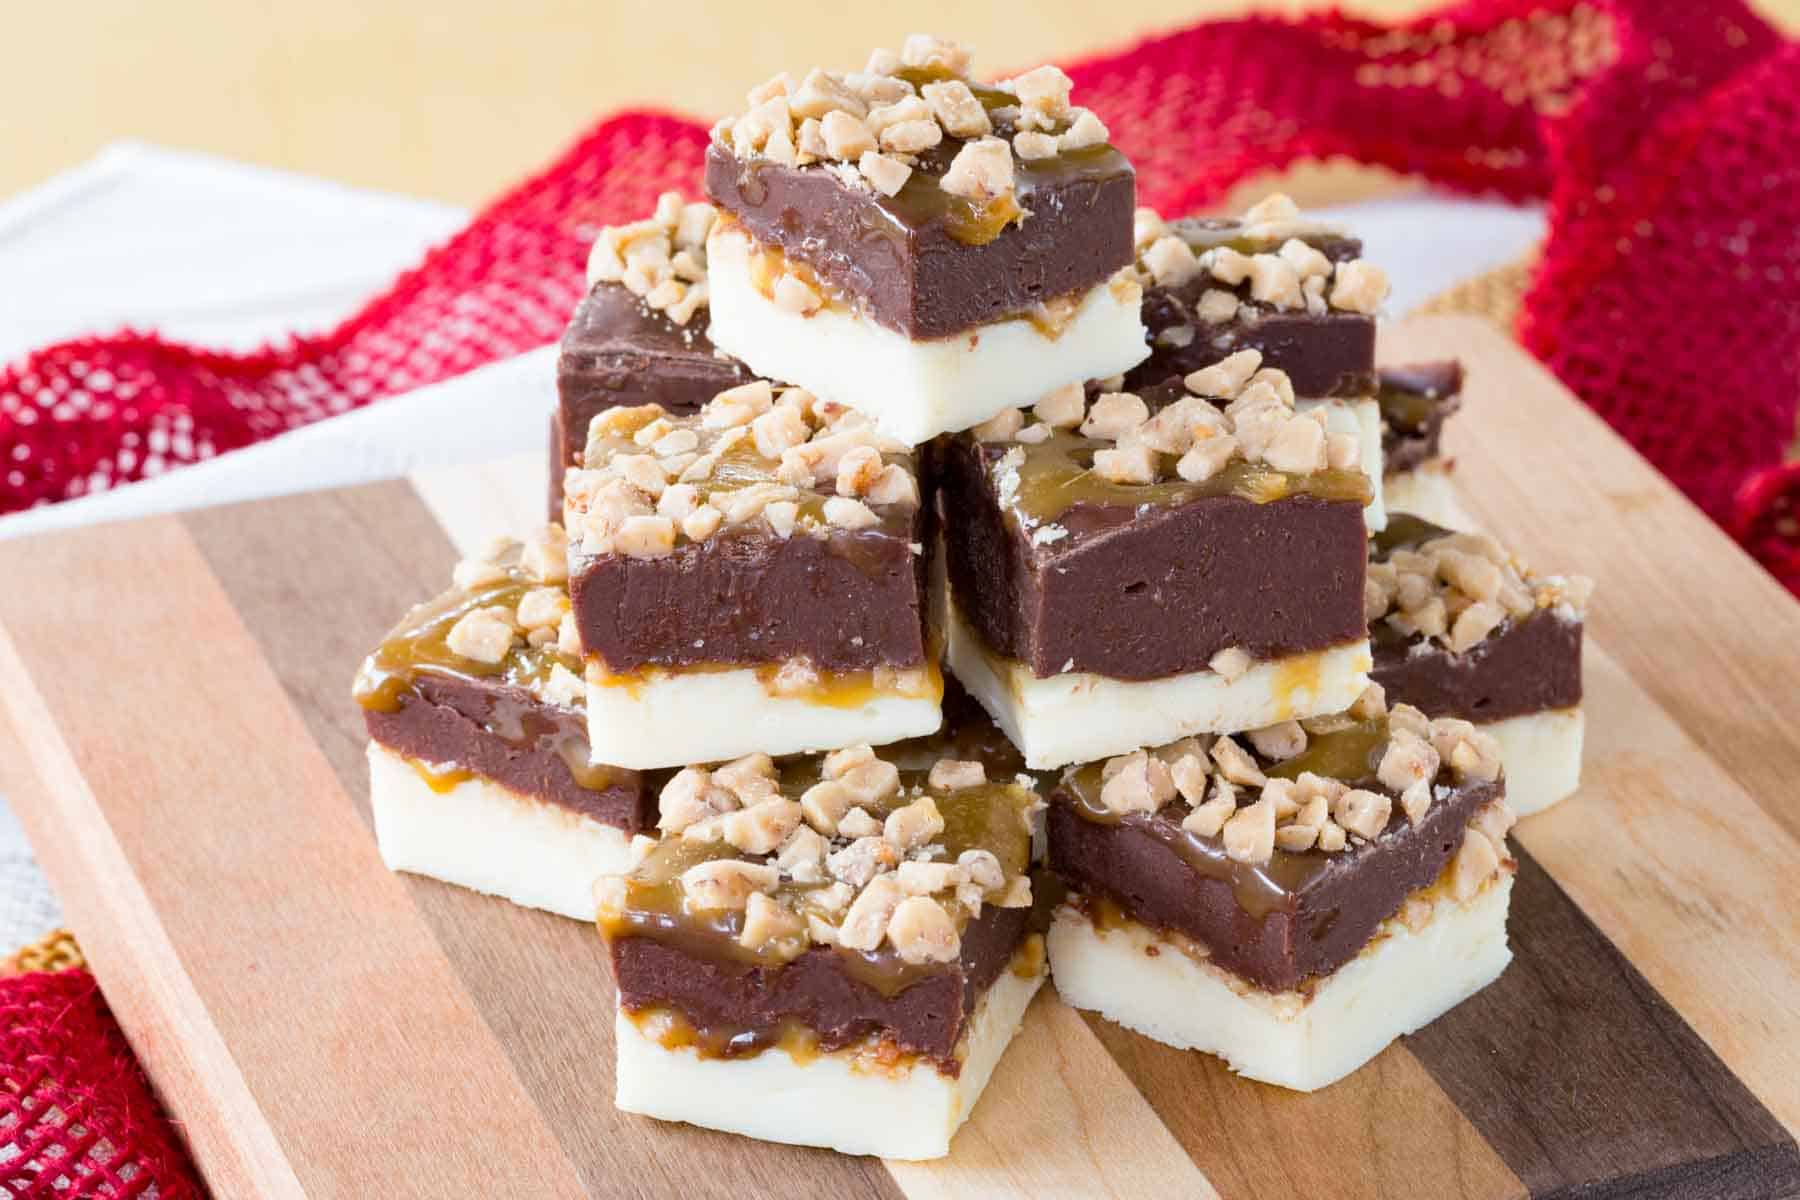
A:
833	898
933	203
770	529
485	682
1145	535
1293	289
1281	855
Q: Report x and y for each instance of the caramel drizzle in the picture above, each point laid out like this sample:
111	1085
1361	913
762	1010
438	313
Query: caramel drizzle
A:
993	817
420	645
1057	475
1350	754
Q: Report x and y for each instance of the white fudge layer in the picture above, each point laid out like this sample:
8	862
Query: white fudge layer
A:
834	1100
683	717
915	390
1426	491
1362	418
488	838
1542	754
1078	717
1402	982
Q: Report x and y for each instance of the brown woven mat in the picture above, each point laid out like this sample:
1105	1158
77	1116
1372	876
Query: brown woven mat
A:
1494	295
55	951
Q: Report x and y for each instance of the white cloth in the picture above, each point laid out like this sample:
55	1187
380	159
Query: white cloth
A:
230	255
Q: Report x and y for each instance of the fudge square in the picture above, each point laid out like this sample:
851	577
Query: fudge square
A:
479	768
750	577
912	243
1291	901
1296	290
1416	402
829	952
1131	571
639	336
1460	627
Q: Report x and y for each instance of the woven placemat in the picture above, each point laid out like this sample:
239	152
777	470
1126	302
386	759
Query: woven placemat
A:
1495	294
55	951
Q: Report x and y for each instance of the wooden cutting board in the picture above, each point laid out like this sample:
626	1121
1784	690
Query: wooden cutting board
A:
184	751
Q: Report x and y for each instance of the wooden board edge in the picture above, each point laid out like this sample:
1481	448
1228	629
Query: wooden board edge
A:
130	953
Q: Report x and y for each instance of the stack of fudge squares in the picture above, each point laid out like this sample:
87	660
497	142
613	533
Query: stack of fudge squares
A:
929	522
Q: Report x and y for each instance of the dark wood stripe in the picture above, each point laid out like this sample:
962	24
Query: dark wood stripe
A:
317	579
1588	1083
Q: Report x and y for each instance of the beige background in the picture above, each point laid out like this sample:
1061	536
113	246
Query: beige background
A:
455	99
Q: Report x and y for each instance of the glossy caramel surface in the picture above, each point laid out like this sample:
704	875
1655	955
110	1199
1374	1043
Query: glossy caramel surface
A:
1057	475
653	903
1348	753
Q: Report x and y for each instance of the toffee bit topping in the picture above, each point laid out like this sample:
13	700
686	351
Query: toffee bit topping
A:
1229	796
485	635
1234	410
1290	275
1482	855
660	259
1458	589
875	127
785	459
864	859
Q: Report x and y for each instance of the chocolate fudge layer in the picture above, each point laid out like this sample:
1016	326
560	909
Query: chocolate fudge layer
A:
734	1008
1415	402
1296	291
1275	916
639	335
510	712
1065	558
831	900
1473	633
923	239
619	352
761	530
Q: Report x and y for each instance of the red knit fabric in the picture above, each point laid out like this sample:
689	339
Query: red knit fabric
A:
77	1117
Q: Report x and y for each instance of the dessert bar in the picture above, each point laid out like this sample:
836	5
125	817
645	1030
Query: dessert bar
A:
640	334
1293	289
920	246
1296	290
1292	900
828	951
478	748
1415	403
1136	569
1461	628
749	577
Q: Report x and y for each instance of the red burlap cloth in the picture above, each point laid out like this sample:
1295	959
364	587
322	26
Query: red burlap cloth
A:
1661	133
77	1117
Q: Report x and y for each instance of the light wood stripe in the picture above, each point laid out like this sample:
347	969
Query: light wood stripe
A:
477	503
232	824
1059	1119
127	945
